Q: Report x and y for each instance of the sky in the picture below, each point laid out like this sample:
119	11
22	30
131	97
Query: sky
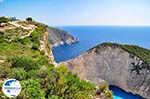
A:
80	12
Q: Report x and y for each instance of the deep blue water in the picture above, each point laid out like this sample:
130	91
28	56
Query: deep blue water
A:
118	93
92	35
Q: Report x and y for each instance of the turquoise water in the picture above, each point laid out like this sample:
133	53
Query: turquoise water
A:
118	93
92	35
116	97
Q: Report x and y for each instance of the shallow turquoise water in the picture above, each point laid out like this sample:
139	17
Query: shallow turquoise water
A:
117	97
119	93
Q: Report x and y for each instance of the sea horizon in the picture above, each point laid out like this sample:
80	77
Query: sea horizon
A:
57	26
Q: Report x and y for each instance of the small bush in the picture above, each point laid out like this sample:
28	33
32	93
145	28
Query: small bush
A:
4	70
2	37
103	87
35	47
19	74
24	62
29	19
3	20
104	90
31	89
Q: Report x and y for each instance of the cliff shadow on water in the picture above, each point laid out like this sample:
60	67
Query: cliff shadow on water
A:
123	94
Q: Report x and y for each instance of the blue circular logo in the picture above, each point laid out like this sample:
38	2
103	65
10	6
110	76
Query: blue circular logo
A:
11	88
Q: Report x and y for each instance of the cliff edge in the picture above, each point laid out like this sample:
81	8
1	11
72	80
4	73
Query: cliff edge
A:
32	35
59	37
125	66
25	55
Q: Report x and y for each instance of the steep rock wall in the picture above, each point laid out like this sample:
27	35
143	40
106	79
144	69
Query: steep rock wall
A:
115	66
59	37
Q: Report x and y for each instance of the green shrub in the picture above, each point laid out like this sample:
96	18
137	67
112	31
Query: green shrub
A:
25	41
103	91
32	74
29	19
35	36
24	62
42	52
3	20
5	70
15	33
35	47
19	74
140	52
31	89
2	96
67	86
2	37
109	94
103	87
42	60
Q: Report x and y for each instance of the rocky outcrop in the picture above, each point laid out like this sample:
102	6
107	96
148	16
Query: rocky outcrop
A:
59	37
54	37
113	65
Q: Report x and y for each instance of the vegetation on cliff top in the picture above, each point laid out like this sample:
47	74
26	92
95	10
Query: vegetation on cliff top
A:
21	58
3	20
142	53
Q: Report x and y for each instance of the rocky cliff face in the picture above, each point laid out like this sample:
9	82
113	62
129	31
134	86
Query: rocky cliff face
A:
59	37
115	66
53	38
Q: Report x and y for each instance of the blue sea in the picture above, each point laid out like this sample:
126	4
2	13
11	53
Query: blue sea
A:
118	93
90	36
